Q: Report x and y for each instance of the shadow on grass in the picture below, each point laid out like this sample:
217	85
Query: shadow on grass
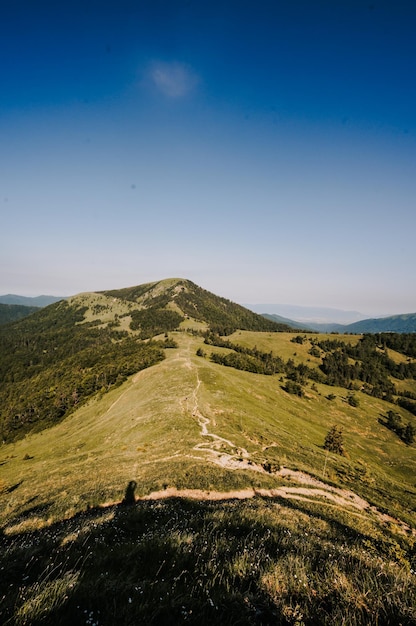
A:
129	496
172	561
38	509
13	487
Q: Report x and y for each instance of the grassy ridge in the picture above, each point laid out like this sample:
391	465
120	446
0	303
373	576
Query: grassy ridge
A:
305	559
67	352
146	430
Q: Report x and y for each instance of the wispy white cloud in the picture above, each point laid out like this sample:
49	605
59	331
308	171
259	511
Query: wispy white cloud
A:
174	80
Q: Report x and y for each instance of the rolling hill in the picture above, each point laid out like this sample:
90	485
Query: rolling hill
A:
57	358
405	323
36	301
185	478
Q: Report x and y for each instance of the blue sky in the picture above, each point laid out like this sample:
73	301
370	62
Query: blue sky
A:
265	150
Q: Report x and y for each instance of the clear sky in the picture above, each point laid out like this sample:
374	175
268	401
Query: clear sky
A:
265	150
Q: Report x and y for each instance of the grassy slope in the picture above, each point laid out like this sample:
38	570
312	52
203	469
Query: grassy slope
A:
147	429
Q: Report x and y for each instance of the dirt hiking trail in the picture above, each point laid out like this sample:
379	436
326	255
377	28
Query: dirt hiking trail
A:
307	488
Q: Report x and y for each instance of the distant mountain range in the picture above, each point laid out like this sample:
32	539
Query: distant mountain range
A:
309	314
13	307
405	323
320	319
38	301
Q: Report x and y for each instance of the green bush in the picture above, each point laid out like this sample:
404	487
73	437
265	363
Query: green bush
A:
353	400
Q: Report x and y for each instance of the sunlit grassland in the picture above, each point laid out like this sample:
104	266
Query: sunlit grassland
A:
406	385
278	427
71	554
101	307
101	446
146	431
143	431
281	344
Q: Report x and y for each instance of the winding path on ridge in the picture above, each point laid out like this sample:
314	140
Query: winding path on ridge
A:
308	488
215	446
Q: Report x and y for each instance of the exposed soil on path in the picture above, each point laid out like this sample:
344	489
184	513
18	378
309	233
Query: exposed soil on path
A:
292	493
306	487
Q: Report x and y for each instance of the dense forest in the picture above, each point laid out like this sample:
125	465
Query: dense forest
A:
369	362
152	322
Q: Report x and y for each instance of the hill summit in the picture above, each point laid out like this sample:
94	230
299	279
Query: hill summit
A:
191	301
56	358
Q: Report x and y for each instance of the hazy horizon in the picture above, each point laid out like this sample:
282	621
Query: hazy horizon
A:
297	312
264	150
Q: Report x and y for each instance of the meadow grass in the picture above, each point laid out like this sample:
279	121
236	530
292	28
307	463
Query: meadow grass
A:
145	430
281	344
184	562
66	558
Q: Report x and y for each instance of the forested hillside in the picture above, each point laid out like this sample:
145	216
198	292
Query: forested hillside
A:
51	363
58	357
13	312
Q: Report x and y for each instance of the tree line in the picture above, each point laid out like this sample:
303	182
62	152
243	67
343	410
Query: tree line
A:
256	361
365	366
369	363
53	361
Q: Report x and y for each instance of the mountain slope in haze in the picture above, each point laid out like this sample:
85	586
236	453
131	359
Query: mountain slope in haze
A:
284	320
13	312
57	358
308	314
36	301
405	323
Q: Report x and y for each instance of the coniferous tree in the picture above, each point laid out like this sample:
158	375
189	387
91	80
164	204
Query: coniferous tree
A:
409	434
334	440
